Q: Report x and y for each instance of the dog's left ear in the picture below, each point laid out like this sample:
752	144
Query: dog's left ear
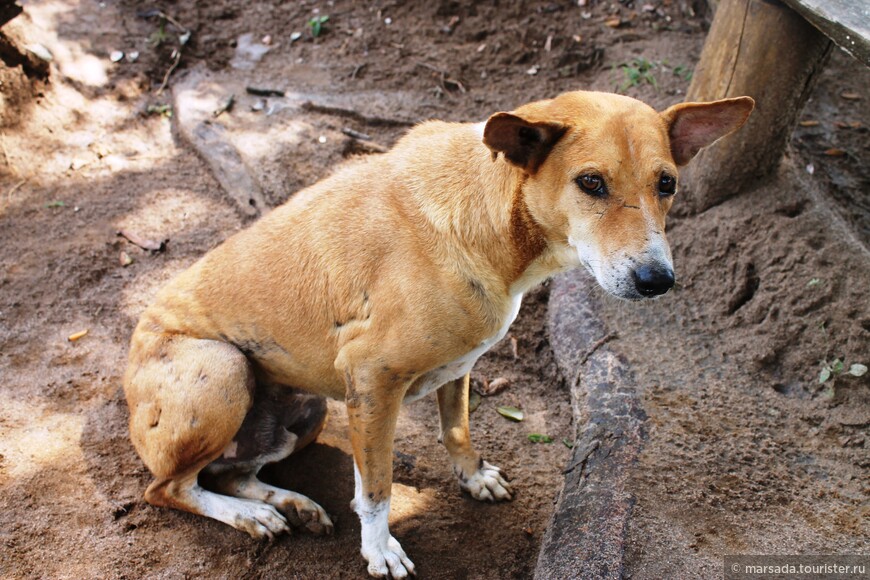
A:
692	126
524	143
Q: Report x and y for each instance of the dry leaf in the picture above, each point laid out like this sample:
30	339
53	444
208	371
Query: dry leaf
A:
809	123
850	96
143	243
493	387
76	336
834	152
613	23
125	259
474	400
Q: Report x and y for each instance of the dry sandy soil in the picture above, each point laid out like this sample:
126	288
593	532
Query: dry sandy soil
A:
746	451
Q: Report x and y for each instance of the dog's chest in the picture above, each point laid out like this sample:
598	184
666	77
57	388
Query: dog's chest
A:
462	365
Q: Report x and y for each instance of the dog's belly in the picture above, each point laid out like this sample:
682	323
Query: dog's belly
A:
461	366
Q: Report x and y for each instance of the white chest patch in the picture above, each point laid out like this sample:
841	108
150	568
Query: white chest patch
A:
461	366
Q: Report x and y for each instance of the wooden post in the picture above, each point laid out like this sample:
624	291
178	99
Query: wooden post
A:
763	49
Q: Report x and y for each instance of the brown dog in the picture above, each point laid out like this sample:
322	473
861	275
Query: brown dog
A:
386	282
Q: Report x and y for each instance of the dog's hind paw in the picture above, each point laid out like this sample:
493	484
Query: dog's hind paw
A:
487	484
260	520
302	512
389	561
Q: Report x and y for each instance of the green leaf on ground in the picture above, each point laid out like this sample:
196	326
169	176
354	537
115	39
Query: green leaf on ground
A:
511	413
474	400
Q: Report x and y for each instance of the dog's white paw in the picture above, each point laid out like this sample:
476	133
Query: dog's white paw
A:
486	484
259	519
388	561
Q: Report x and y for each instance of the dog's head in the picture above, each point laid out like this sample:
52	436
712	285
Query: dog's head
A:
600	174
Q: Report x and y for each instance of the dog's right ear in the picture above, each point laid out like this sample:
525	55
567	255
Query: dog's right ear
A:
525	144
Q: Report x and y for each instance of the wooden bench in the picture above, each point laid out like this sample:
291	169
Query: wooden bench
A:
773	51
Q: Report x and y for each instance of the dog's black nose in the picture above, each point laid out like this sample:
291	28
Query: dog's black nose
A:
653	280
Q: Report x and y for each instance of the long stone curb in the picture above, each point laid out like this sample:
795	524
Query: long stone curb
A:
586	537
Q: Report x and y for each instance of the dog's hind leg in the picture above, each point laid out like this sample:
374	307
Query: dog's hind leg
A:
187	398
282	421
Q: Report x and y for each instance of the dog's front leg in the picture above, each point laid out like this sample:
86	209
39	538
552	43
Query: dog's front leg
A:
372	410
480	479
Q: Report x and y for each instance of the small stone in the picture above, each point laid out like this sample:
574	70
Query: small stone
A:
116	56
39	51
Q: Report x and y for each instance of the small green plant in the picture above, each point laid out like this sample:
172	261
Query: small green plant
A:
831	370
567	443
538	438
814	282
638	71
160	35
55	204
838	367
683	72
316	25
162	110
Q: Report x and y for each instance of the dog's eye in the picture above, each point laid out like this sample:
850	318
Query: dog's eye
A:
592	184
667	185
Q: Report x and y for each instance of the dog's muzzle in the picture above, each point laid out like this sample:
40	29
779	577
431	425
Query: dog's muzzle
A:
653	280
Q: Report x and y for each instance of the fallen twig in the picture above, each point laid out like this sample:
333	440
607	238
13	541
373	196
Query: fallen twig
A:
591	350
362	143
14	188
445	80
177	54
355	134
258	92
598	344
355	115
226	106
357	69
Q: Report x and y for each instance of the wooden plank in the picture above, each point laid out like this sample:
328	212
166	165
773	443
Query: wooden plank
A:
763	49
846	22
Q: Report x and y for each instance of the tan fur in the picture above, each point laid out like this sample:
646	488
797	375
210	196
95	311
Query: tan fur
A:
365	284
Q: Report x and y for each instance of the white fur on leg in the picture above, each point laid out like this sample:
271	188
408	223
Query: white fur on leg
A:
381	550
486	484
259	519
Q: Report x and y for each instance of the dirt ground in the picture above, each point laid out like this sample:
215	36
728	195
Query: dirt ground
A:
746	452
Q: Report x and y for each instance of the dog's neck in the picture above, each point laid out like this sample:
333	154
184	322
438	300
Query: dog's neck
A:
480	214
